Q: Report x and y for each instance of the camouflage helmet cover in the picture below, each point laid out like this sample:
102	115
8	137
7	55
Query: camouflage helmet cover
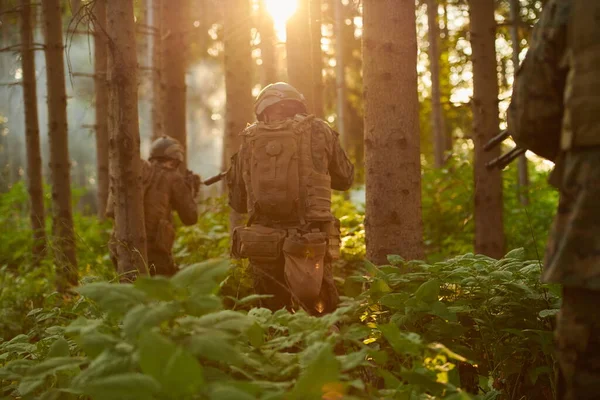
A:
166	147
275	93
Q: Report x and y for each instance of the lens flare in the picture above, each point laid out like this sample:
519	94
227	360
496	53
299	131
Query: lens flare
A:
281	11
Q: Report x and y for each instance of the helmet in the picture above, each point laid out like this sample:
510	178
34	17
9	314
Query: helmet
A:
166	147
276	92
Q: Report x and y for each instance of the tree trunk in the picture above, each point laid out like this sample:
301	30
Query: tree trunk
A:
298	47
437	116
267	46
514	34
32	134
317	57
100	64
60	165
445	85
489	232
340	74
174	57
238	79
125	164
157	70
393	173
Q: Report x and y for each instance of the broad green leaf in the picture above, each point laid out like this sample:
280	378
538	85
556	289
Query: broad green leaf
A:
395	301
212	347
352	360
518	254
227	392
548	313
226	320
425	380
403	344
320	375
177	371
145	316
113	297
256	335
201	304
60	348
157	287
131	385
429	291
36	375
395	259
202	277
94	343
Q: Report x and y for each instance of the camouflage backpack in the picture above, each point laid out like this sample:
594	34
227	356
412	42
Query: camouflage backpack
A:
279	175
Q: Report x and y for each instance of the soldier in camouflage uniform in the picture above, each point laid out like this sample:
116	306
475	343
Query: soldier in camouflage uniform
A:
282	177
165	189
555	112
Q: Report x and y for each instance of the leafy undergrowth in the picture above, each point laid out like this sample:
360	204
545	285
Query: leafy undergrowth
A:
407	330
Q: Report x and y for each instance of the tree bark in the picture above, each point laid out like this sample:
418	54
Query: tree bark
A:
340	74
101	86
489	231
298	47
437	115
60	165
75	6
125	164
267	46
393	175
32	133
523	180
317	57
157	70
174	62
238	79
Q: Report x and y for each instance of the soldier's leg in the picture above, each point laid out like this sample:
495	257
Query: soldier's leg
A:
328	297
578	345
268	278
161	263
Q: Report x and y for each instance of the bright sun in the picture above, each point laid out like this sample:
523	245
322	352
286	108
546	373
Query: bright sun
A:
281	11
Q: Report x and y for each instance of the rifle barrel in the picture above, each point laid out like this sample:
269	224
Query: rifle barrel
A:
505	159
496	140
215	178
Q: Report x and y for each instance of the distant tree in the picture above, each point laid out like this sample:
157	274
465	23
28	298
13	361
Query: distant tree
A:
317	57
238	79
392	151
489	229
299	52
267	45
437	115
158	94
340	72
101	87
32	133
175	28
125	163
60	163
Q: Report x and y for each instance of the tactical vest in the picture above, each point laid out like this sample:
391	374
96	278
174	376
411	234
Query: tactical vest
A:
279	175
581	122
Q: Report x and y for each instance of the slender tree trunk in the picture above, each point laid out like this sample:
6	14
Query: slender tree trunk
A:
445	85
437	116
60	164
340	73
125	164
100	82
157	70
174	57
393	173
514	33
298	47
267	45
32	135
238	79
317	57
489	230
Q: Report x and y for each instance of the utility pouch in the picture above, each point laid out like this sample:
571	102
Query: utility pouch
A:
258	243
304	265
332	229
165	236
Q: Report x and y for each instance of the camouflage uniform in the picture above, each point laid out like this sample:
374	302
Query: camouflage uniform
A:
329	159
165	189
556	113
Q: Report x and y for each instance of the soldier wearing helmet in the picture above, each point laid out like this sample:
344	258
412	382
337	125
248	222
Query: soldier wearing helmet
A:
283	176
165	189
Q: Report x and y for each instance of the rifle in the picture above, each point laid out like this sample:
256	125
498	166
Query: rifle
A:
215	179
505	159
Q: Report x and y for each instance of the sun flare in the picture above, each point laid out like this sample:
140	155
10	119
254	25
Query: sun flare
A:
281	11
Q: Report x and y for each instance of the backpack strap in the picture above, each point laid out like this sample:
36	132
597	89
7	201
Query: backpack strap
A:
303	128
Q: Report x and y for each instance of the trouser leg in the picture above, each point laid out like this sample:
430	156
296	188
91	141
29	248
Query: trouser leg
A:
268	279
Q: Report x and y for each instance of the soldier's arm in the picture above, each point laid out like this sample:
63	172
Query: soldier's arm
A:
235	184
341	168
537	100
183	202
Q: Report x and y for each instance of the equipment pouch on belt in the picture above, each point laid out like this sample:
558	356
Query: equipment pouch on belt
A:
304	265
258	243
165	236
332	229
